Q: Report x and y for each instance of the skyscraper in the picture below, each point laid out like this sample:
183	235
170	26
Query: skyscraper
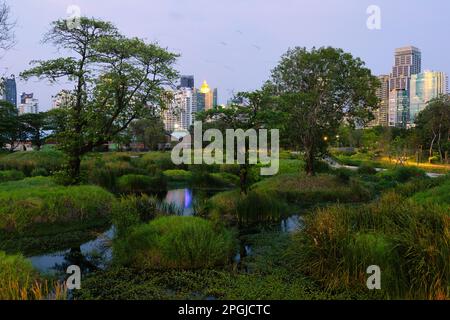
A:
408	61
178	115
425	87
28	104
10	90
187	82
205	98
381	114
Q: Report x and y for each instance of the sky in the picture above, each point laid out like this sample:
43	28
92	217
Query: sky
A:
234	44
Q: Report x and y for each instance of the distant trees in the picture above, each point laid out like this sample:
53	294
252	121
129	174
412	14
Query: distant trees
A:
433	126
318	89
116	80
148	131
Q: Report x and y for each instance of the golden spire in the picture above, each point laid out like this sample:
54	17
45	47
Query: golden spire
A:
205	88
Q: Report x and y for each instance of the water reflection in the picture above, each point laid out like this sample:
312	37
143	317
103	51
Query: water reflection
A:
183	199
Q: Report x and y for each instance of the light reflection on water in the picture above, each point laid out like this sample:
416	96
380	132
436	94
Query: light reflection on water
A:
97	253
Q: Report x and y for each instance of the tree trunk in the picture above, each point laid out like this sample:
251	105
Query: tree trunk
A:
75	168
243	179
310	170
431	149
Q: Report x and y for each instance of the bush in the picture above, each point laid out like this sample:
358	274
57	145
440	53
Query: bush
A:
39	172
153	162
49	159
35	201
260	207
175	243
177	175
365	169
213	180
343	174
11	175
409	241
19	281
134	183
130	211
403	174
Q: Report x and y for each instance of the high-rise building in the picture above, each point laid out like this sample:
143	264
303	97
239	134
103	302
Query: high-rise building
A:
408	61
205	98
425	87
28	104
178	115
10	90
187	82
381	114
64	98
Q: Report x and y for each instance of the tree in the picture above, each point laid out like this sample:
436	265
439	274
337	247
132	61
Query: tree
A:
256	110
12	131
318	90
149	131
7	39
433	126
116	80
35	125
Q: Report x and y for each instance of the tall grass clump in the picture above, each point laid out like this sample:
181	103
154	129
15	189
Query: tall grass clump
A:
38	201
256	207
19	281
175	242
408	240
132	210
133	183
11	175
49	159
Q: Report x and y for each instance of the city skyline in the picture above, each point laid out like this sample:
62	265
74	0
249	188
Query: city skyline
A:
237	54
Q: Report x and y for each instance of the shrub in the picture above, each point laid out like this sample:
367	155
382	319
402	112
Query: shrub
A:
11	175
409	241
130	211
365	169
175	243
212	180
133	183
153	162
403	174
19	281
260	207
39	200
177	175
49	159
39	172
343	174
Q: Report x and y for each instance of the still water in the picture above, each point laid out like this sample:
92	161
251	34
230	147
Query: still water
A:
96	254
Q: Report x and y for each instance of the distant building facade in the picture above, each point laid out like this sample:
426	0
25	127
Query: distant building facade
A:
408	61
64	98
28	104
425	87
10	90
187	82
382	113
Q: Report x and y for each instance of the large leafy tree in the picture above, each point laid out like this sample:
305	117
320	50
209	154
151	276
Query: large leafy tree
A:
255	110
433	126
12	130
116	80
35	125
318	90
7	39
148	131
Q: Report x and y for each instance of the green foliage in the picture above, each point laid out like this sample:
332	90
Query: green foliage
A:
365	169
258	207
175	243
131	211
11	175
177	175
439	195
48	159
39	172
134	183
35	201
155	161
317	89
409	241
